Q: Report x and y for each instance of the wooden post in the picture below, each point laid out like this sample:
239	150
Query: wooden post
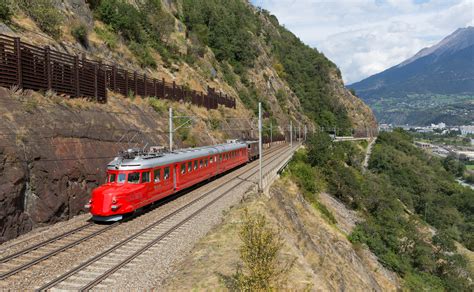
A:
164	89
126	82
144	84
76	75
47	61
114	78
95	81
174	90
136	82
18	62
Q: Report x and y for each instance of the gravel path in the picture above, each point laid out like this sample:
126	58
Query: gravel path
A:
367	154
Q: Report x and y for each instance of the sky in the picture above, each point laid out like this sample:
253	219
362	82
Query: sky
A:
364	37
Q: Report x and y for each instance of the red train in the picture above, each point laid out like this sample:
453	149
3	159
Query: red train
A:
136	179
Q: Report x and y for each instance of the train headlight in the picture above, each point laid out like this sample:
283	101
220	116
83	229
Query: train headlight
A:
88	205
114	200
114	207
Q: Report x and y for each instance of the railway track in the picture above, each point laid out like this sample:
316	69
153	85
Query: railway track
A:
33	255
92	272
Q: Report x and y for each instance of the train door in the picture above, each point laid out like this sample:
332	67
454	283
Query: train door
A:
175	167
156	180
168	181
146	181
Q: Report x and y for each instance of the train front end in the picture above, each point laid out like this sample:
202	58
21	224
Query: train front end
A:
121	194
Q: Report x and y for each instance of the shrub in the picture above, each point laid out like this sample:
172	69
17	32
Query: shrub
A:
158	105
143	55
80	32
44	14
262	271
5	11
124	18
108	36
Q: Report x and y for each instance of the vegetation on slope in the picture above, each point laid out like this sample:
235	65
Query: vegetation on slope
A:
404	189
231	29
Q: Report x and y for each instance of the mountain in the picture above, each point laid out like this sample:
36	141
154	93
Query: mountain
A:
436	84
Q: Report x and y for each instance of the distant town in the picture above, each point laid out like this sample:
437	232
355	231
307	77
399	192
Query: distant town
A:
443	141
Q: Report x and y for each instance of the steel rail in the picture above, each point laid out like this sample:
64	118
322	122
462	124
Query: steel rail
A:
55	252
43	243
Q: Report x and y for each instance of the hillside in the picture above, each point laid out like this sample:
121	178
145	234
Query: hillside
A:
58	146
405	224
434	85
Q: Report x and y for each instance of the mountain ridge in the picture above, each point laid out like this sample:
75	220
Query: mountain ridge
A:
444	69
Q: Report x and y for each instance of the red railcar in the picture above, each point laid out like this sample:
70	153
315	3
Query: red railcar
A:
137	179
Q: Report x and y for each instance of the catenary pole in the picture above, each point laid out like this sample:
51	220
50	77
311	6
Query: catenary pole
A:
260	154
171	128
291	134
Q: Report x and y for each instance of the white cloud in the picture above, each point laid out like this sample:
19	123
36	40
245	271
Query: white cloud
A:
364	37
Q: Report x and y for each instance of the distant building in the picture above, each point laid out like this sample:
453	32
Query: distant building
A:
438	126
465	130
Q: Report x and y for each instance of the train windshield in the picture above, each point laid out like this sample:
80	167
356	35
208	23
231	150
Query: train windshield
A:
112	177
121	178
134	177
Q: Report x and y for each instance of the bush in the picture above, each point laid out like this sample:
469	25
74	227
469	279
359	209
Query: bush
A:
44	14
5	11
262	271
80	32
108	36
145	59
158	105
124	18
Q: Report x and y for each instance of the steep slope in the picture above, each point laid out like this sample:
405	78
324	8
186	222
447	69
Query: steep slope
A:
47	167
436	77
323	257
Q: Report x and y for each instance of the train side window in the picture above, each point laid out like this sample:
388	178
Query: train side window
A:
183	168
195	164
121	178
145	177
220	157
215	158
190	166
112	177
134	177
166	173
200	163
211	159
156	175
205	162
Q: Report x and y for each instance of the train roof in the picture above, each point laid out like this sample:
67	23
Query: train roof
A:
146	161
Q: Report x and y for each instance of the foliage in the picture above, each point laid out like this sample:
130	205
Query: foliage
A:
6	12
454	166
229	29
262	270
403	181
144	27
80	32
44	14
145	59
158	105
226	27
107	35
307	72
